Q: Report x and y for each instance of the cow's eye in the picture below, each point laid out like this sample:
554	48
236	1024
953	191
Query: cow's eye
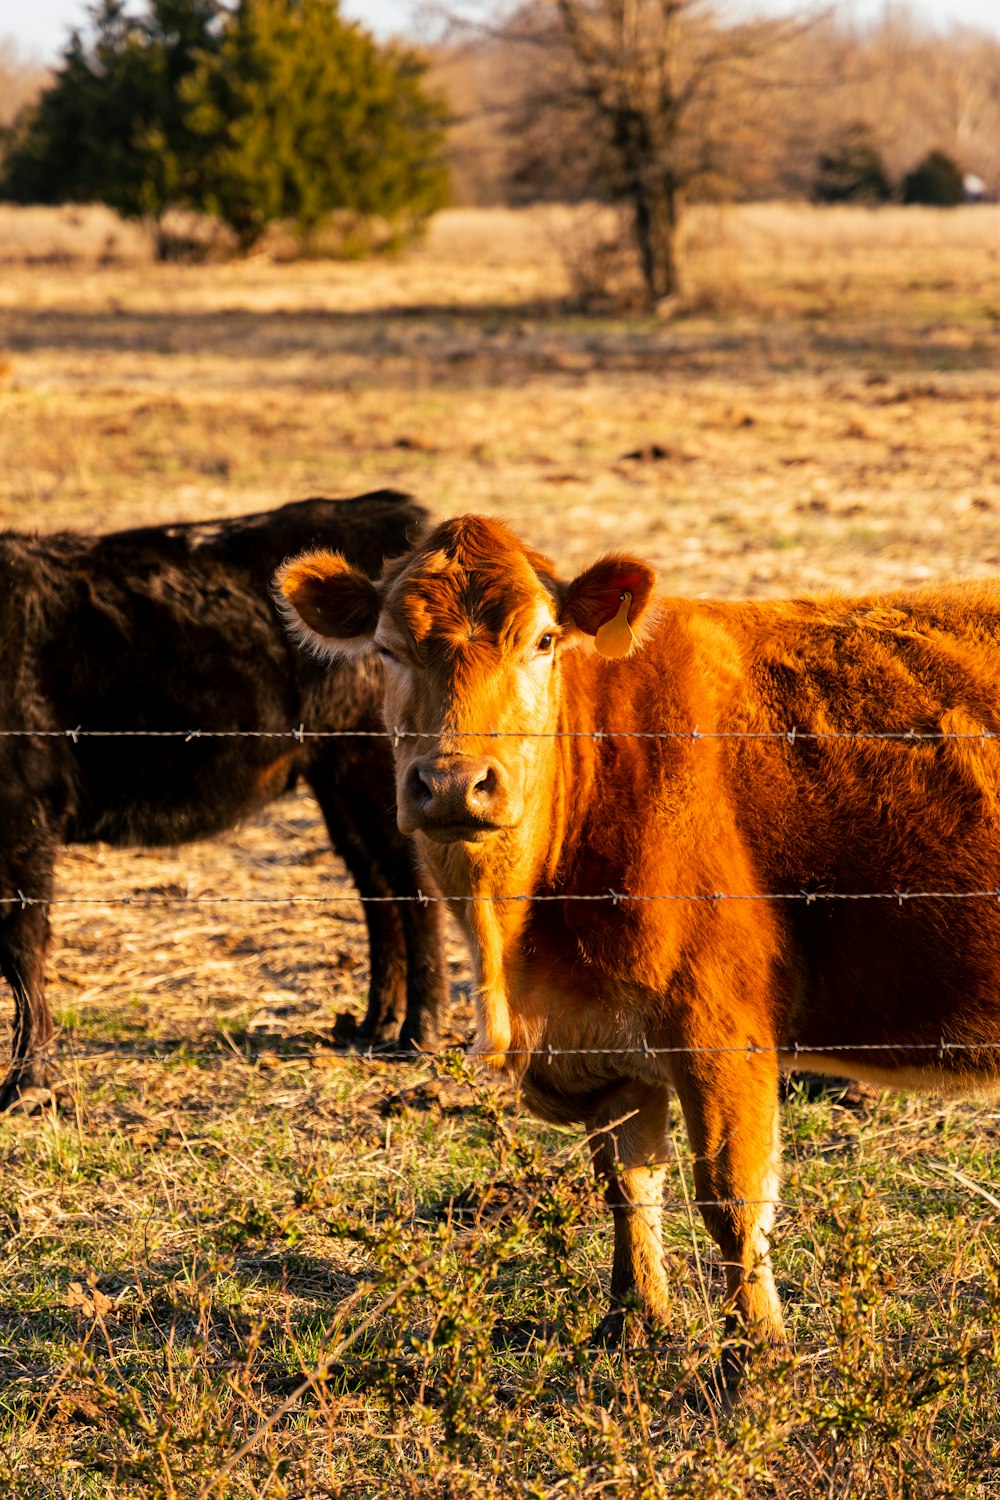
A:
386	654
545	643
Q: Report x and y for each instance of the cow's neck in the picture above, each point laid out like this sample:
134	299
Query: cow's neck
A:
489	881
485	883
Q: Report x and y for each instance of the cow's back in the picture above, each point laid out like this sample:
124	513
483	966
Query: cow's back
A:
877	840
159	630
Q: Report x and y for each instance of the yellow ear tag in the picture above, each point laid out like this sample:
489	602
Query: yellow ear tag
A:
615	638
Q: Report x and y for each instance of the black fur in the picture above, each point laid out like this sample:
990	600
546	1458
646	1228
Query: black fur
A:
173	627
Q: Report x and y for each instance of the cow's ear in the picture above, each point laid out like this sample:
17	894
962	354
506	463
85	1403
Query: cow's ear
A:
609	601
328	606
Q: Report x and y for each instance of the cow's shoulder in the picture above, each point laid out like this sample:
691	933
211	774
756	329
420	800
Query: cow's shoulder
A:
365	528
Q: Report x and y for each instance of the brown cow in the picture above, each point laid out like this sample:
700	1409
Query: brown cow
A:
744	961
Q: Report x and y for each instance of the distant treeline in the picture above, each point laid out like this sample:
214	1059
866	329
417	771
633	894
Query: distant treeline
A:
514	138
817	88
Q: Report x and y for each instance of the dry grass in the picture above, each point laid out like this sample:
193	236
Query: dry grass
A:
70	236
189	1232
835	426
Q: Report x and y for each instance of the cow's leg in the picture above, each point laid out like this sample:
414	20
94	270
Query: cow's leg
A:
408	983
353	842
730	1104
426	970
628	1142
24	939
386	1009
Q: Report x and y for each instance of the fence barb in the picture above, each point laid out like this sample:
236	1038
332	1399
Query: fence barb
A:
183	1358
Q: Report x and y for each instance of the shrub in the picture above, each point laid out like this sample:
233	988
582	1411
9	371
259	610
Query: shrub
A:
300	115
936	180
852	171
258	111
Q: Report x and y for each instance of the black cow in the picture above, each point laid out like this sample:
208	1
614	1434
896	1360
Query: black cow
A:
173	627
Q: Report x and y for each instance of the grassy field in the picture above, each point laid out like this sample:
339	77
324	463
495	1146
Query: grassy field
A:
237	1262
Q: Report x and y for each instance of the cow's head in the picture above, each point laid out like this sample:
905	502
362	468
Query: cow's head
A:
471	627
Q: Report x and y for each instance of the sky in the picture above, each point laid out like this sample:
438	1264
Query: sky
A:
38	28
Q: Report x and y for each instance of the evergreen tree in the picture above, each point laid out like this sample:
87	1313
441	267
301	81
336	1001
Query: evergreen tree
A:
301	114
255	111
852	171
936	180
112	126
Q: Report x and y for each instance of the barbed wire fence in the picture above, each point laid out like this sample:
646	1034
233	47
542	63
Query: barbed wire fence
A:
936	1051
792	736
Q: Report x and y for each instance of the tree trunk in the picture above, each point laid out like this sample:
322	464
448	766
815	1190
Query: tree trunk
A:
655	215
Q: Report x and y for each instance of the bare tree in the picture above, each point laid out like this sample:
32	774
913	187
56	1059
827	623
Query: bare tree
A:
663	93
648	104
915	89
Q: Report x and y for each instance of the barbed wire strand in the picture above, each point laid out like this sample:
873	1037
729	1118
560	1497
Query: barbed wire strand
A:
792	736
423	898
167	1049
794	1203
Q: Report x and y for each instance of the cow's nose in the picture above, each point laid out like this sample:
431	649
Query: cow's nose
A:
455	791
485	784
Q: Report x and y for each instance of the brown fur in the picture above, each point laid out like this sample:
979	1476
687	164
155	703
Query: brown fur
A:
739	816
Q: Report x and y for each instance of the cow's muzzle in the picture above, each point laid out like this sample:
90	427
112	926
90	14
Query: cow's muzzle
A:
458	799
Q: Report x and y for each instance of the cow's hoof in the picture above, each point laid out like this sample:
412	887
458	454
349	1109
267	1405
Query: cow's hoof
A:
377	1039
709	1394
631	1327
366	1035
742	1368
27	1088
610	1331
392	1036
417	1039
714	1388
36	1100
345	1029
